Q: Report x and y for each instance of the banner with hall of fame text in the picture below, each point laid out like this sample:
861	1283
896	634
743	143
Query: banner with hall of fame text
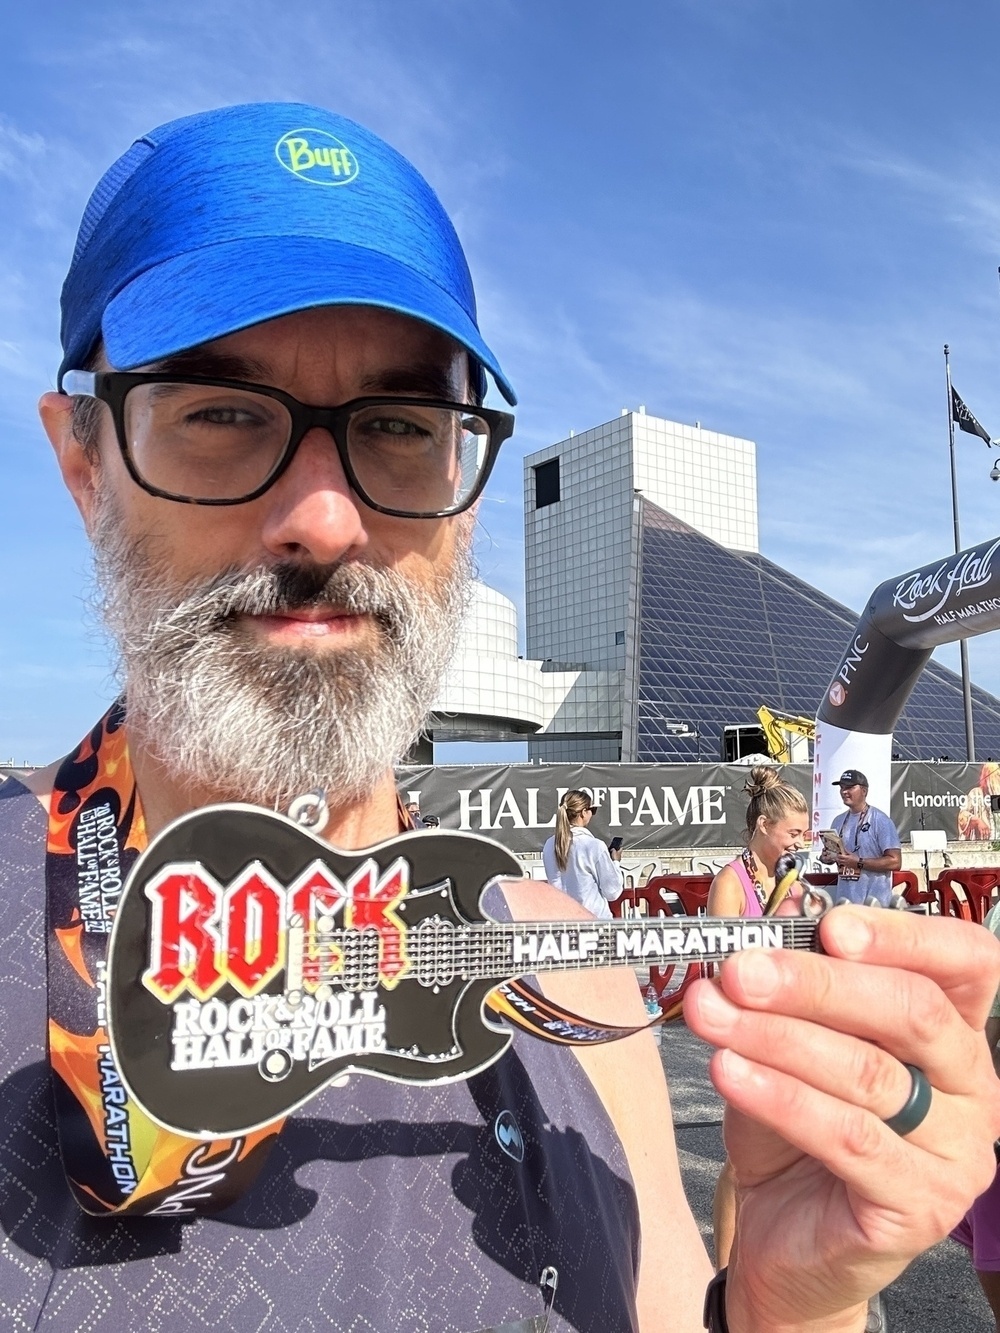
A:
679	805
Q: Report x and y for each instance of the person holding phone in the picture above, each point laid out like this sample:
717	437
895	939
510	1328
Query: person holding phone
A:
576	861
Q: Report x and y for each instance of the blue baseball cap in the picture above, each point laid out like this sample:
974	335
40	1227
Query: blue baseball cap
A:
222	220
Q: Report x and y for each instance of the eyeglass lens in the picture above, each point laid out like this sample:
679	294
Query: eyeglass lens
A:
206	442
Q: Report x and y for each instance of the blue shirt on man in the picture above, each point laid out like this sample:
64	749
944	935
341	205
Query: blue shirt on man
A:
869	834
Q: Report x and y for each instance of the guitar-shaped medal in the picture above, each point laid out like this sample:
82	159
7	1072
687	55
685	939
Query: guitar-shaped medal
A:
251	963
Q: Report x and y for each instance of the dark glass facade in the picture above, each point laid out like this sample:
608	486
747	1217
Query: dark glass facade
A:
721	632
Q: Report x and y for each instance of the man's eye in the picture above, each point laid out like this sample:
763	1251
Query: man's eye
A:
395	426
222	416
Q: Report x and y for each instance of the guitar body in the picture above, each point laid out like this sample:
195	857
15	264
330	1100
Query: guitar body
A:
251	964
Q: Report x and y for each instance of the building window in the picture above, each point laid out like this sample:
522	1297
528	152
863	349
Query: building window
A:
546	483
619	637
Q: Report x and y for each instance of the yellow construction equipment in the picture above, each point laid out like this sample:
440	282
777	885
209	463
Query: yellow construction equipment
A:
779	729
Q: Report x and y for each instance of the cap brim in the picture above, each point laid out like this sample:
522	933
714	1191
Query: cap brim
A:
209	293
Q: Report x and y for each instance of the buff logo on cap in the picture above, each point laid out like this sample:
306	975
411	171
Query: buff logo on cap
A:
317	157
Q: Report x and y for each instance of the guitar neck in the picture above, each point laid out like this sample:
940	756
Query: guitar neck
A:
548	947
437	951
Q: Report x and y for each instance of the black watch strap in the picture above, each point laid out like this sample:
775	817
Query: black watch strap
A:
714	1317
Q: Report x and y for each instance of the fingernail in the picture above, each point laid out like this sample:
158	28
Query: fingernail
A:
758	974
851	931
735	1068
715	1008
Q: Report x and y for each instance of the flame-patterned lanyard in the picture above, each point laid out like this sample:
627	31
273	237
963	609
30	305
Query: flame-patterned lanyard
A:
117	1161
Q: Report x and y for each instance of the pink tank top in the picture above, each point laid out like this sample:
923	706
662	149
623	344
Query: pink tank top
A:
751	904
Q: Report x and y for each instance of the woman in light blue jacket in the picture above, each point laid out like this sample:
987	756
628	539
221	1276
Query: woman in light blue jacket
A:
576	861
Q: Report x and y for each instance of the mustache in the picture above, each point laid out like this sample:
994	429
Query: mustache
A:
360	589
289	587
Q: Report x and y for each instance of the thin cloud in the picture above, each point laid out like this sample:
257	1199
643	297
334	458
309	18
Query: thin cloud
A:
963	196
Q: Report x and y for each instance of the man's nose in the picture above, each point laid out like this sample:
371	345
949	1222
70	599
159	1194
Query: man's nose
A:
312	510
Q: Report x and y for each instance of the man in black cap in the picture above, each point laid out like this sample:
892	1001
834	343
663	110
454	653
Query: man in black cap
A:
871	845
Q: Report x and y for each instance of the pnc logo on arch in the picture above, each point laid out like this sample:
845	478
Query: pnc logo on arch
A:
317	157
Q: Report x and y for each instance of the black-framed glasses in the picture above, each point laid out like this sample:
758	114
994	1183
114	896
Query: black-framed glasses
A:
224	442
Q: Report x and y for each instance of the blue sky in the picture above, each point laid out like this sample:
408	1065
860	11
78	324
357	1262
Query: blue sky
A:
764	215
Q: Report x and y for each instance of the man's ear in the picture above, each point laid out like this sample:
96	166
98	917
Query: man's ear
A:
77	465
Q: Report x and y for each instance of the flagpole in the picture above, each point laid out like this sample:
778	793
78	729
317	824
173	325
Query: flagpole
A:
963	647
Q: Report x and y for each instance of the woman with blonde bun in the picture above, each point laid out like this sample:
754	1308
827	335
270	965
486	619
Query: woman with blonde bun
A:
576	861
777	822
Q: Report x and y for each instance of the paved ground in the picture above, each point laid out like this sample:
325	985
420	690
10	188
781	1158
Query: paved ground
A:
937	1294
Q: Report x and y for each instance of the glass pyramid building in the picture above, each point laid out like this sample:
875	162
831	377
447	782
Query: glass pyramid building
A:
642	560
720	632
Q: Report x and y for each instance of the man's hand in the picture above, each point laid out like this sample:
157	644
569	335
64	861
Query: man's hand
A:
833	1204
884	863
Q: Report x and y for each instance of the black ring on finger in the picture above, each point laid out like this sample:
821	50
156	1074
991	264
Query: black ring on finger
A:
906	1120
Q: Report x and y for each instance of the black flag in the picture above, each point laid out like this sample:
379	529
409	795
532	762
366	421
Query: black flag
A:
964	419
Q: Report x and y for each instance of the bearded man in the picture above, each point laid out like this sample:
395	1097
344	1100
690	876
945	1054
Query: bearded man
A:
270	419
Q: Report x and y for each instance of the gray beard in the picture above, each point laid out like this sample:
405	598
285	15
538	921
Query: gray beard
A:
262	723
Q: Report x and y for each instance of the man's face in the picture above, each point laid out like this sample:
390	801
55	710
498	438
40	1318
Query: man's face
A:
853	795
310	516
258	639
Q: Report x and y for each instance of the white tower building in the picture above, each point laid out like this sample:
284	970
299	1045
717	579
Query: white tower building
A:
580	550
574	691
582	546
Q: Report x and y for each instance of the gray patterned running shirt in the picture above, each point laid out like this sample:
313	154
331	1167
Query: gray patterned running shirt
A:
382	1208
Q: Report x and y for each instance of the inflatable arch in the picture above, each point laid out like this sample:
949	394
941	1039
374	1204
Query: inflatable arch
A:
905	620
